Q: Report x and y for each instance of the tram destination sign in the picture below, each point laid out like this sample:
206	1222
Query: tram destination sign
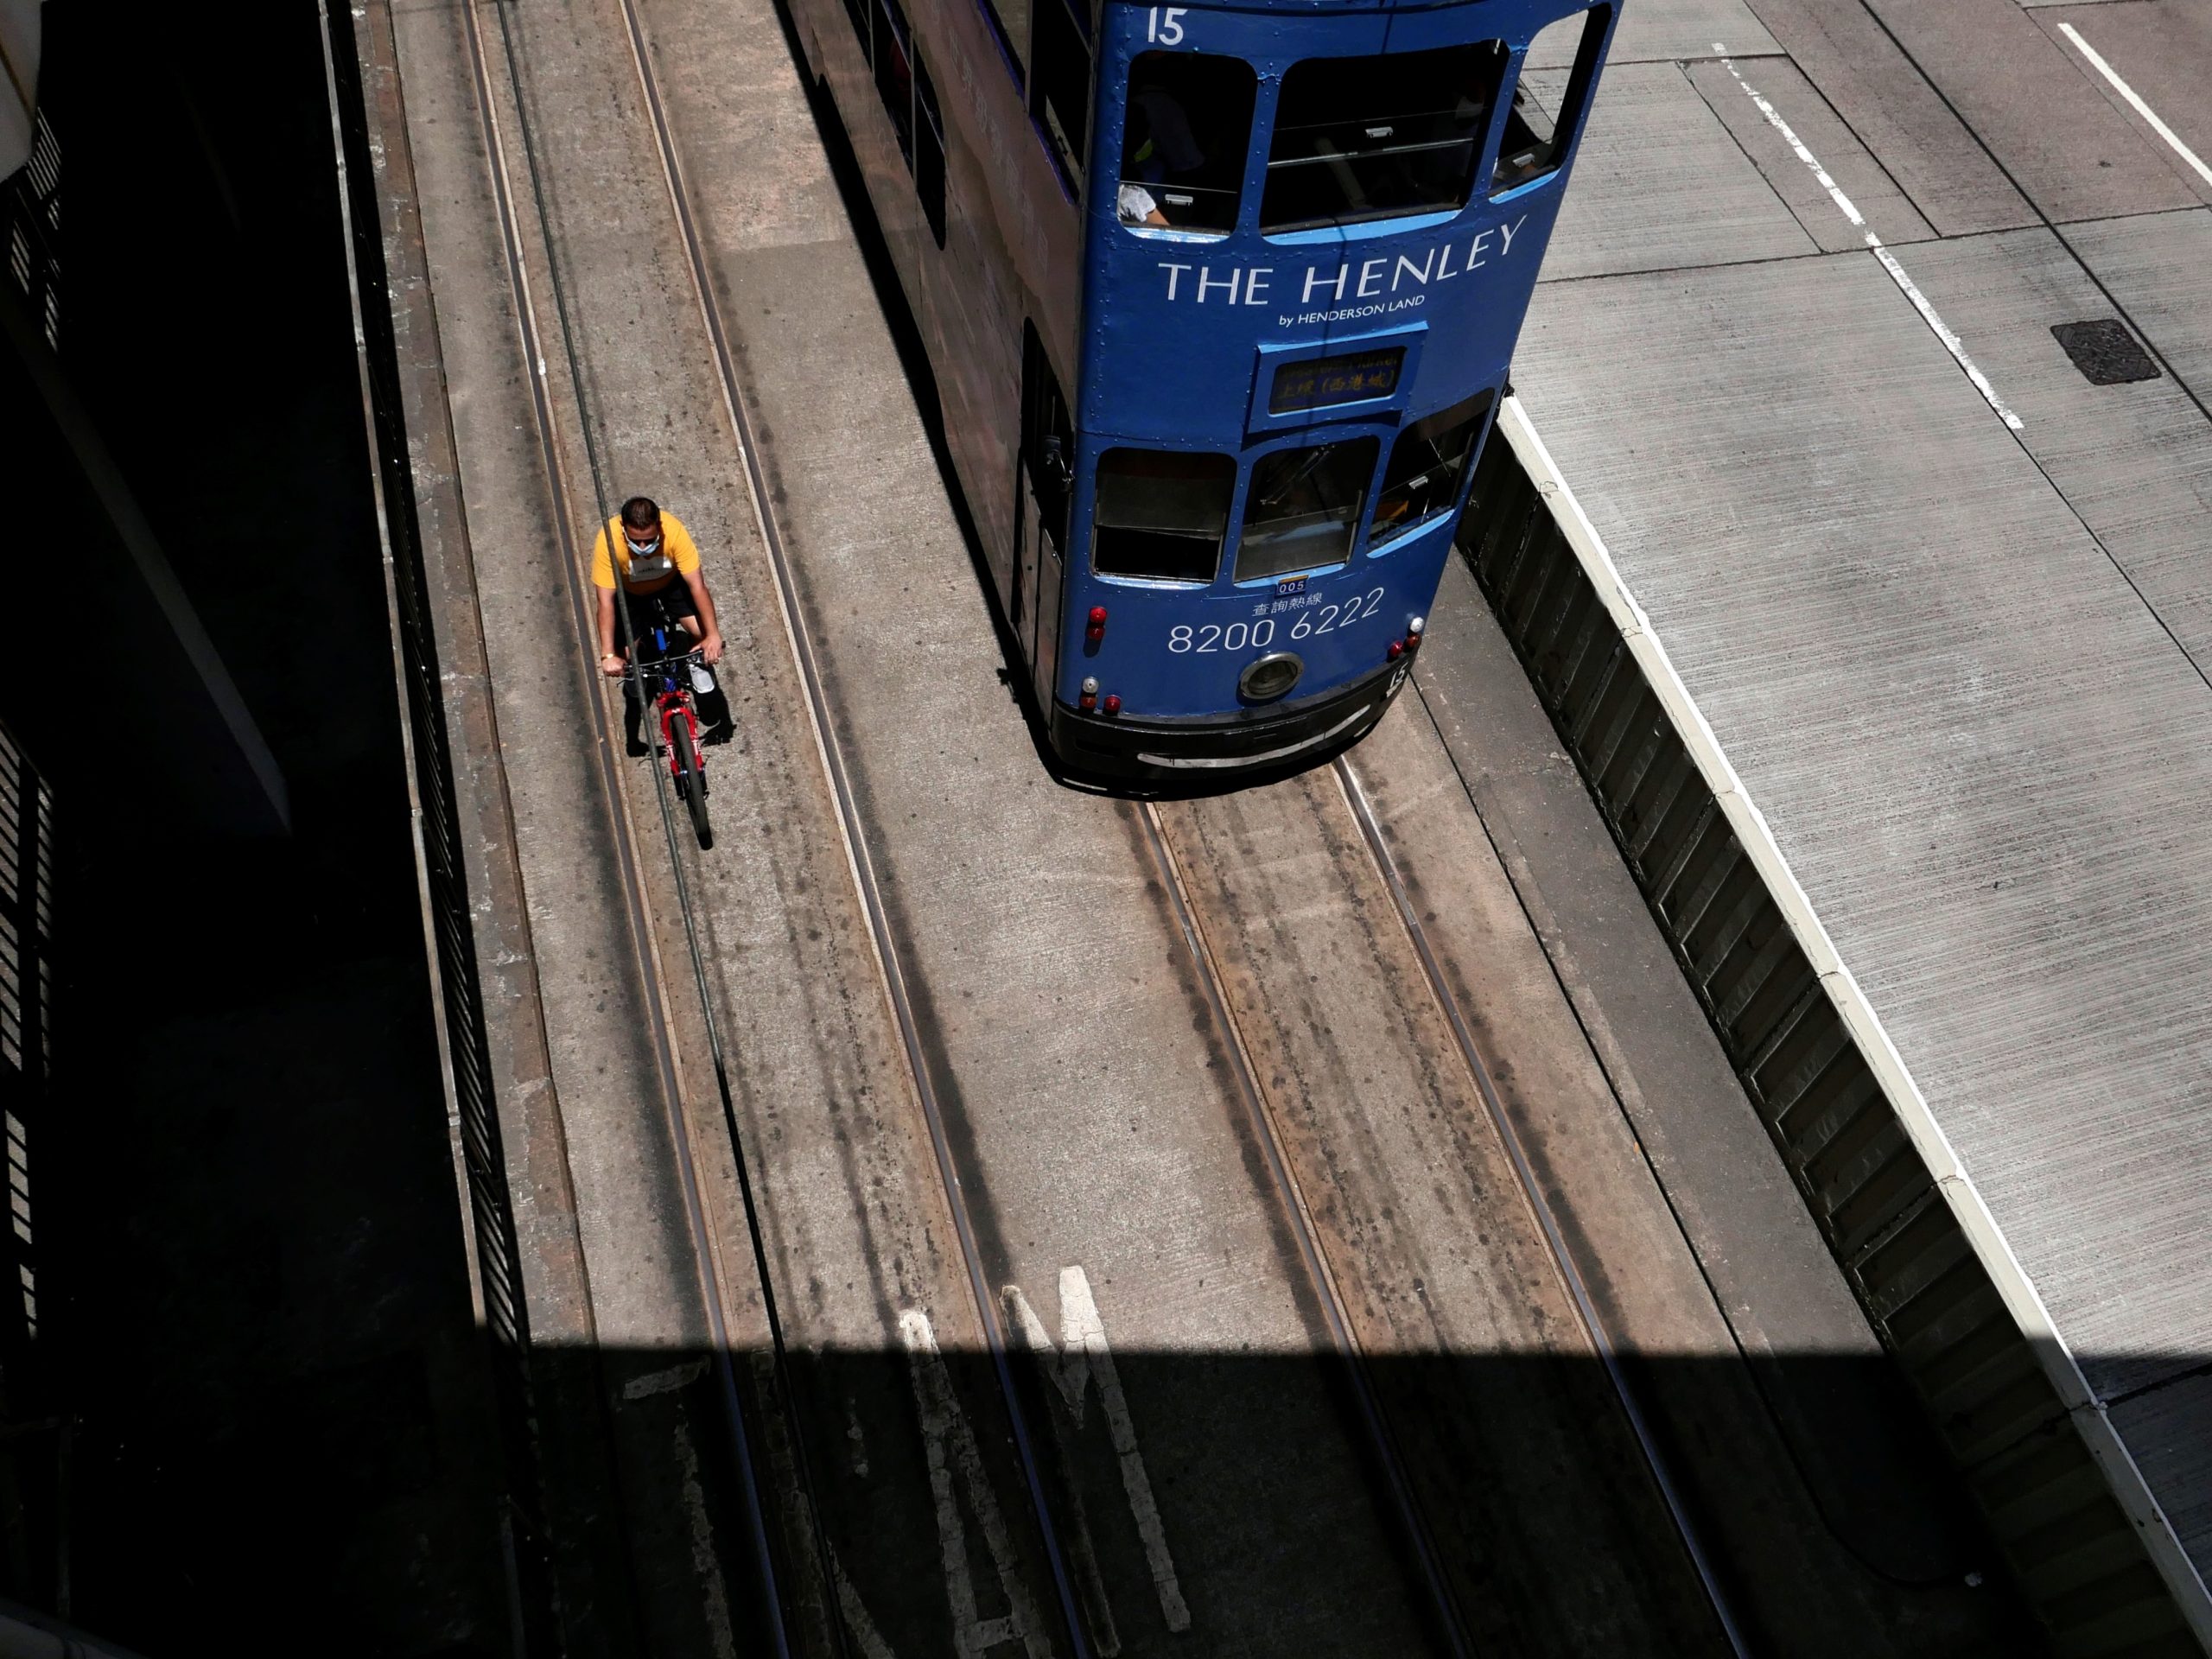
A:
1327	380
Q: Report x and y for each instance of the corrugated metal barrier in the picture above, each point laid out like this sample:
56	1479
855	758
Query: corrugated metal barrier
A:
2065	1503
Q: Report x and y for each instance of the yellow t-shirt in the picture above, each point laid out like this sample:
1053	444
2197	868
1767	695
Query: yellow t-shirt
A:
676	543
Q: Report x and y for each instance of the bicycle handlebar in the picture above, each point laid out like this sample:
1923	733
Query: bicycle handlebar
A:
670	657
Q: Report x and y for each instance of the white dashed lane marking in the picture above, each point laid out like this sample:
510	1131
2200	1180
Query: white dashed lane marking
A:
1084	1360
1775	120
1942	330
2135	101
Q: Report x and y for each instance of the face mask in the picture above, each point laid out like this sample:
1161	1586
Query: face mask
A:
643	550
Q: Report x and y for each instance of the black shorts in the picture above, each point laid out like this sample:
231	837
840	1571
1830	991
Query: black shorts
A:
665	608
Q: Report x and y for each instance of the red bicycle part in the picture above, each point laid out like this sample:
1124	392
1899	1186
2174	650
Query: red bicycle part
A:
671	704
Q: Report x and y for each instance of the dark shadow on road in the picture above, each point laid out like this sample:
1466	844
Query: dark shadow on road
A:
1843	1535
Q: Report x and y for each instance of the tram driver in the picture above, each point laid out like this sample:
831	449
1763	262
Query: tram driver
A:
662	582
1158	146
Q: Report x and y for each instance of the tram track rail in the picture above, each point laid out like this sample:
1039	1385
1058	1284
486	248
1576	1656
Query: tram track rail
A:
1375	1425
861	862
1251	1095
866	879
716	1299
1314	1254
1540	1208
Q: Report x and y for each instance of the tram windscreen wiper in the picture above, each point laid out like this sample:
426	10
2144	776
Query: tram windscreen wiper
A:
1380	137
1303	507
1290	478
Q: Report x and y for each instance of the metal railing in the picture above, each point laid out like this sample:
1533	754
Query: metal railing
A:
34	1437
463	1036
33	209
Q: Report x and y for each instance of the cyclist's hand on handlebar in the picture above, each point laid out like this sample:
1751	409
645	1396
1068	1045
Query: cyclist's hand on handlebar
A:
711	649
612	665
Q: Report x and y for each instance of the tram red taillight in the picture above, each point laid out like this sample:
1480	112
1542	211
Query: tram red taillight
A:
1089	699
1113	703
1096	630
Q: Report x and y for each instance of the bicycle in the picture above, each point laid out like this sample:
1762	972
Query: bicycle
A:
666	675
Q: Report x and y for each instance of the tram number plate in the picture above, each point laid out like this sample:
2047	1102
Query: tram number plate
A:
1295	585
1327	380
1304	618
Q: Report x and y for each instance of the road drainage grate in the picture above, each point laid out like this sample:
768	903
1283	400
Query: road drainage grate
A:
2105	351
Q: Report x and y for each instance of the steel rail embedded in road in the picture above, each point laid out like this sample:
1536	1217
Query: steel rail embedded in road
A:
697	1218
866	883
1334	1312
1370	829
858	857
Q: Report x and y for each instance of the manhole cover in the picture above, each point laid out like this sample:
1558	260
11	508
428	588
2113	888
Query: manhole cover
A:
2105	351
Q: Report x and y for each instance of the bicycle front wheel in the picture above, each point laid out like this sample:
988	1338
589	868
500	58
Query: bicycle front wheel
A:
691	780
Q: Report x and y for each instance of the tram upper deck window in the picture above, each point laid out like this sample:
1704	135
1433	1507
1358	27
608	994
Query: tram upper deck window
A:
1012	17
1184	141
1380	137
1060	80
1422	480
894	73
928	152
1160	514
1543	112
1303	507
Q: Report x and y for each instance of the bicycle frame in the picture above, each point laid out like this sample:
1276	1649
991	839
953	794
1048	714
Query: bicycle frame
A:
667	677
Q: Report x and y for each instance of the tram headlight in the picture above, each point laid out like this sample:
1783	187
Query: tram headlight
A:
1270	677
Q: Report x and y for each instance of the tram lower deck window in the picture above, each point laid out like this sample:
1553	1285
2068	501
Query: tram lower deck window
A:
1303	507
1160	514
1427	463
1380	137
1184	138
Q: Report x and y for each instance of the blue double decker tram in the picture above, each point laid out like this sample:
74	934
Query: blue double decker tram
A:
1220	301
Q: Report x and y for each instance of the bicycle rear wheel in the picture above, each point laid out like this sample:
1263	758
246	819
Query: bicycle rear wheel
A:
691	780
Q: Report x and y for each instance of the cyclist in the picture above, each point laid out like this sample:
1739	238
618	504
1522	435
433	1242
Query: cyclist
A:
661	578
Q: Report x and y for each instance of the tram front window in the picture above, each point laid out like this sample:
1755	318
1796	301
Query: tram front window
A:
1381	137
1160	514
1184	140
1303	507
1422	480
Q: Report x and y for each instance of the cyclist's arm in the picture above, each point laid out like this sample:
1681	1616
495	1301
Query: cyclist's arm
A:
607	629
602	581
711	637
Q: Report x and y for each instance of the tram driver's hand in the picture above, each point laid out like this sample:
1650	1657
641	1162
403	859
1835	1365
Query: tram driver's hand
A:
611	666
711	648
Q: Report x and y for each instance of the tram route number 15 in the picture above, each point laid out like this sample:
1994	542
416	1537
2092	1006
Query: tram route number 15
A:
1164	27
